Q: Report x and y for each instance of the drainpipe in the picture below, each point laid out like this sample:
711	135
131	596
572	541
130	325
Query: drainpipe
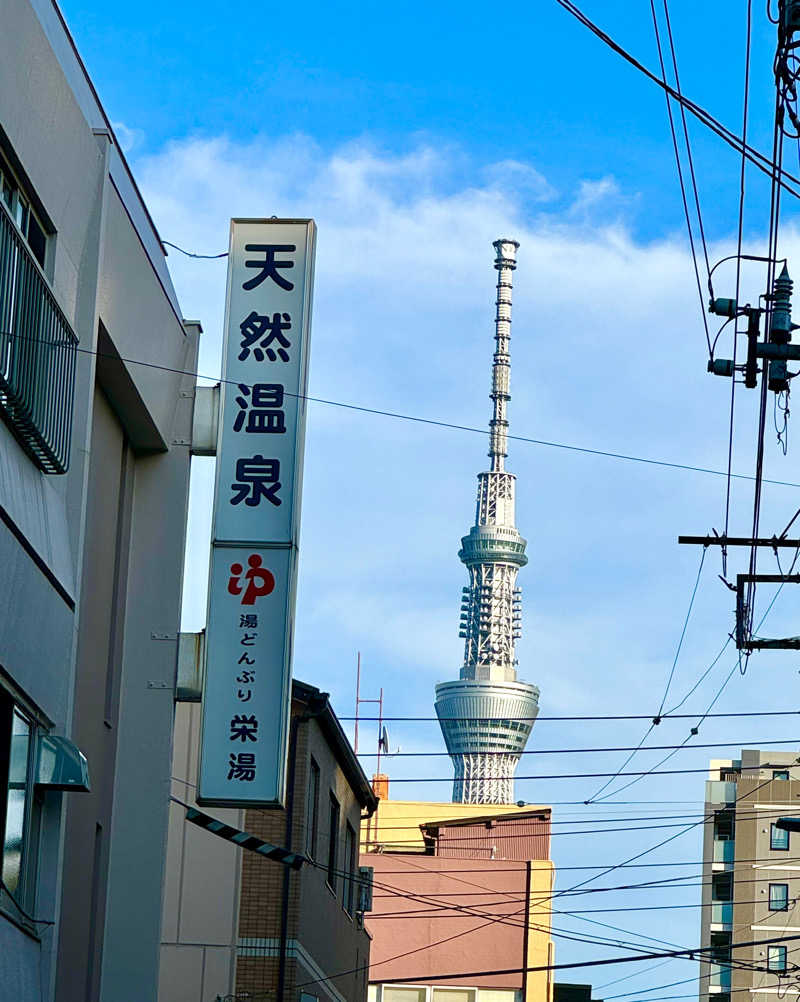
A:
525	934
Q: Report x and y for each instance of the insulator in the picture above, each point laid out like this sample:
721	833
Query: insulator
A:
462	634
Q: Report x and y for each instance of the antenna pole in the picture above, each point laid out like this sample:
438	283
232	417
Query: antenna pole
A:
380	731
358	702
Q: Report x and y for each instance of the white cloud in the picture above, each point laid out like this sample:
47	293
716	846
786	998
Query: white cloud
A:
129	139
608	352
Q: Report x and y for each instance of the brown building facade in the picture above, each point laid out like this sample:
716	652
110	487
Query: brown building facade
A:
457	899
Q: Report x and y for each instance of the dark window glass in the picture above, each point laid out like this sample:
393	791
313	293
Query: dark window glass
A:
778	897
723	825
333	841
722	887
780	774
776	959
778	838
350	863
312	810
37	241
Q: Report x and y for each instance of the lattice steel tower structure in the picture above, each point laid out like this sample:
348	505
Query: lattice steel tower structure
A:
487	715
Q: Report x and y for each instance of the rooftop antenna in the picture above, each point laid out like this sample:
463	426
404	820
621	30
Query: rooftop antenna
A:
381	729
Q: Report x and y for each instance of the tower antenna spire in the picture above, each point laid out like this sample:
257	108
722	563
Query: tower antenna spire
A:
505	263
487	715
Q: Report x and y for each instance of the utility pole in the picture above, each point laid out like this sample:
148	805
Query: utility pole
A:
767	357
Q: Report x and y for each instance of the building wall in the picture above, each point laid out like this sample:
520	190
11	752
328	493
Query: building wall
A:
746	791
759	802
397	822
231	943
198	947
436	914
93	559
513	838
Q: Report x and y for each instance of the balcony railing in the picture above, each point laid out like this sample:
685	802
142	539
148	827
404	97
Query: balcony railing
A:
720	976
37	355
722	912
724	850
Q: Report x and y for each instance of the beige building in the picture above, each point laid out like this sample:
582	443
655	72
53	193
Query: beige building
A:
751	877
237	925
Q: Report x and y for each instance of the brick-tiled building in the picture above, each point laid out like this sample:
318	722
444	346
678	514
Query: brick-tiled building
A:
239	925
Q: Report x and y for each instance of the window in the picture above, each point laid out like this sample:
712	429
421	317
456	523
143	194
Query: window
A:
19	809
404	994
312	809
333	842
776	959
19	207
350	864
37	344
781	774
724	825
778	838
779	897
454	995
722	887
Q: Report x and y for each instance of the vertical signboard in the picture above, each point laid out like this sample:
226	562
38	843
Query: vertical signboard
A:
247	685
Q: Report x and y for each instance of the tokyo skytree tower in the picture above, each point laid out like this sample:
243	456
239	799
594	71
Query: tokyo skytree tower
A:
487	715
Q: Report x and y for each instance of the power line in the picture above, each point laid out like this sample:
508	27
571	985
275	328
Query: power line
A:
696	953
397	415
758	159
587	775
585	717
740	230
657	718
587	751
208	257
678	163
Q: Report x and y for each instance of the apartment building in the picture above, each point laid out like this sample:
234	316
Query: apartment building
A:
460	891
94	468
751	877
268	932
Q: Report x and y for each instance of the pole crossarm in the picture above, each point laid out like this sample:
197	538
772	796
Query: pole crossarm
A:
743	639
775	542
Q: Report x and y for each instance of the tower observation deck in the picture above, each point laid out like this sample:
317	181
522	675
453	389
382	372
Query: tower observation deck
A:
487	715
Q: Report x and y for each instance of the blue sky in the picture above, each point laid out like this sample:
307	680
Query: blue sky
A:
415	138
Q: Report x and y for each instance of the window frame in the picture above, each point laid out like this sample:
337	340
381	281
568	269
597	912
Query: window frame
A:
15	902
334	820
781	951
772	907
19	206
312	808
780	775
773	829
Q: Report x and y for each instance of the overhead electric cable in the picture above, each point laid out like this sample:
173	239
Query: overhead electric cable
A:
740	230
680	167
397	415
694	730
657	718
696	953
759	160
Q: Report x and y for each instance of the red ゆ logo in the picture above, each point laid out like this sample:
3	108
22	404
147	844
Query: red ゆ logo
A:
259	580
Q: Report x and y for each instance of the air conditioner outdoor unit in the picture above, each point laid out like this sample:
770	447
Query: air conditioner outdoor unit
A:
365	878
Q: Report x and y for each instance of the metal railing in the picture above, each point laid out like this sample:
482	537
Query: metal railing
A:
37	355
